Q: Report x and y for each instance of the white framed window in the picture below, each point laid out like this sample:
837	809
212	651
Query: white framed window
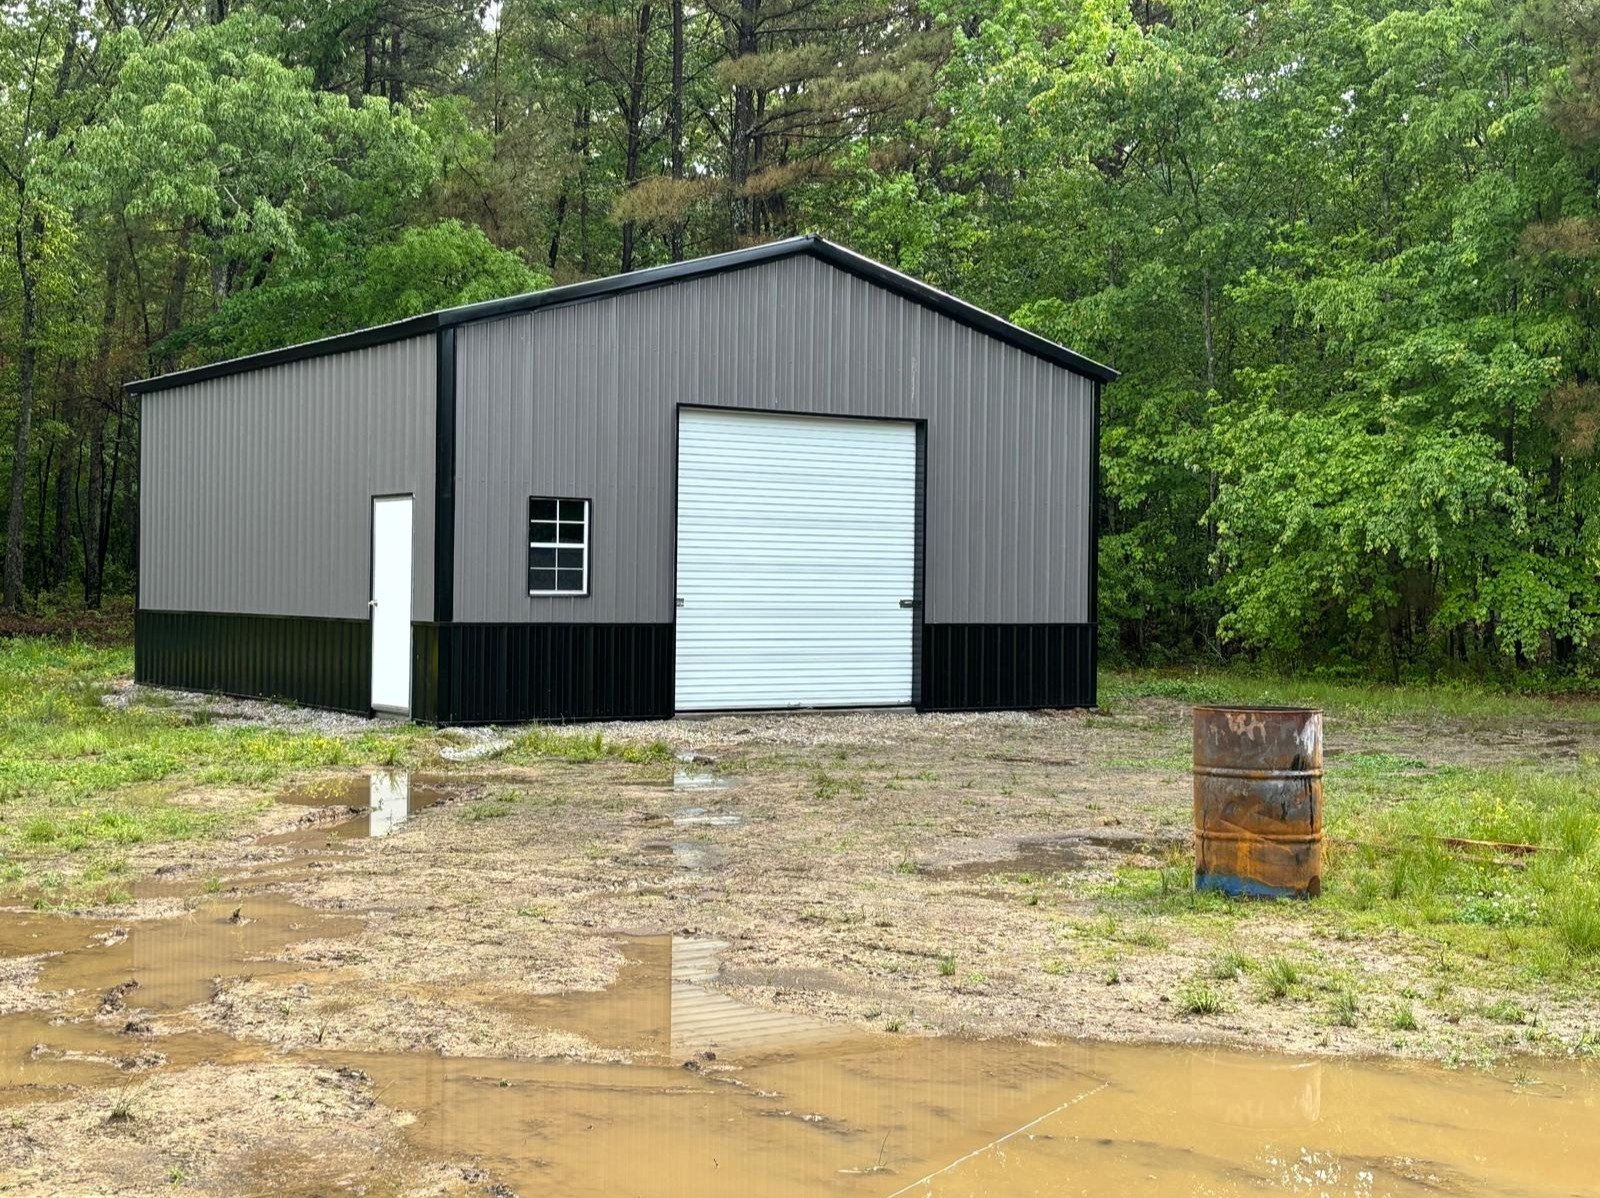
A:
558	546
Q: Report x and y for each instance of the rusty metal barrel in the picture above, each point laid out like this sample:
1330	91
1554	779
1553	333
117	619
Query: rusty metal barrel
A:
1258	801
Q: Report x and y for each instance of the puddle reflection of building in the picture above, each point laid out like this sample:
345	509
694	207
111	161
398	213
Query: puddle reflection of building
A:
388	801
702	1019
1258	1093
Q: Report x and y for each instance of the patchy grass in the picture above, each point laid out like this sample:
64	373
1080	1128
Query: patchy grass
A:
1230	966
541	743
1460	701
1394	863
79	778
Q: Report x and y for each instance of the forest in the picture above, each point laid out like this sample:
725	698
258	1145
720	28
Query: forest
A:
1346	254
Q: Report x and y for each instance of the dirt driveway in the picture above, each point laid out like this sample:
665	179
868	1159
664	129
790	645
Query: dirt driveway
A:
798	877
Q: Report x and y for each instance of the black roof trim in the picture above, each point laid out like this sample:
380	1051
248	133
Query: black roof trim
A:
656	276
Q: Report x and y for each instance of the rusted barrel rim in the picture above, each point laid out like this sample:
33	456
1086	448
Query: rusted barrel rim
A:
1257	775
1267	707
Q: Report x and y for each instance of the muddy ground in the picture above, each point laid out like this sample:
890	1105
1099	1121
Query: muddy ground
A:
872	875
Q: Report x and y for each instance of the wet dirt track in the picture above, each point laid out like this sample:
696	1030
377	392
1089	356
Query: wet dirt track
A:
399	990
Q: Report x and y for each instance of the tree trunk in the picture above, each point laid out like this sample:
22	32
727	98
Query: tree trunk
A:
396	67
61	549
59	563
675	123
634	119
583	190
93	562
177	291
741	128
27	366
105	390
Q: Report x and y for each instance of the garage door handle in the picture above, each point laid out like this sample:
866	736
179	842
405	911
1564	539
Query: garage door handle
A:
908	603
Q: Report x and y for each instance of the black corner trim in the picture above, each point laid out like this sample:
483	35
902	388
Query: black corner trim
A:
656	276
444	477
1000	667
1094	551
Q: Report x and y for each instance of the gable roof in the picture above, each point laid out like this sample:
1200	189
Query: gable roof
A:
656	276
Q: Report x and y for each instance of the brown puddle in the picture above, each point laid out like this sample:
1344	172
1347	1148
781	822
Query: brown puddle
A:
728	1098
888	1117
661	1006
45	1058
174	961
367	805
26	934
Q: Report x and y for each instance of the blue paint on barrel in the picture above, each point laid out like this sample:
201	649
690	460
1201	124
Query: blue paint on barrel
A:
1243	887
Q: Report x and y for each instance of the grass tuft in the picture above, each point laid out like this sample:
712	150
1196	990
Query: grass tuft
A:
1280	977
1198	997
1345	1011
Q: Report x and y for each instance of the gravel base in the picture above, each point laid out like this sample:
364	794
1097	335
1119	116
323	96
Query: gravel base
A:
816	729
797	729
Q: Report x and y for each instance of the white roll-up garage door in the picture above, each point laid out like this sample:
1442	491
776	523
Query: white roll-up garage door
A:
796	560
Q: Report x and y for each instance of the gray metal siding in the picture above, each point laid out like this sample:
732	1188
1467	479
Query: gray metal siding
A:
256	489
581	401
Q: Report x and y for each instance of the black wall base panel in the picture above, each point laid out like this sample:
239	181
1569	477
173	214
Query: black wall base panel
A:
321	663
511	673
988	667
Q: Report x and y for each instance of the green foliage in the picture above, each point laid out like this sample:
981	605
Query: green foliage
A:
1347	257
1353	422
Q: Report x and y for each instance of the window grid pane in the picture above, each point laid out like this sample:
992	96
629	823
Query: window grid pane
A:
558	546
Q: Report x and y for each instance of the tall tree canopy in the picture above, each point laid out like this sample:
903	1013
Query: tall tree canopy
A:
1346	255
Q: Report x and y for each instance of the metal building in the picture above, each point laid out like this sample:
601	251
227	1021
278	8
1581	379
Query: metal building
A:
781	477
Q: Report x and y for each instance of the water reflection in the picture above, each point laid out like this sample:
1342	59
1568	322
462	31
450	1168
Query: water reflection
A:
689	778
388	801
376	804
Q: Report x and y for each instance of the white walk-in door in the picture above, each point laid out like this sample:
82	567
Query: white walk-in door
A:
796	560
391	603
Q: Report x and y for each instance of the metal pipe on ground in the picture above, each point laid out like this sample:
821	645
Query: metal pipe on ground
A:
1258	801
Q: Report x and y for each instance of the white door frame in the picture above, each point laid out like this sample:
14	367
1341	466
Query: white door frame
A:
391	638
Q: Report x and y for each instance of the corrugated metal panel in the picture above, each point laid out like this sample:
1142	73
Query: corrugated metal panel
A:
508	673
322	663
984	667
581	401
796	547
255	490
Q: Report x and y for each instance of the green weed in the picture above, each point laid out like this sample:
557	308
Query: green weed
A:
1345	1011
1280	976
1230	966
1504	1010
1198	997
